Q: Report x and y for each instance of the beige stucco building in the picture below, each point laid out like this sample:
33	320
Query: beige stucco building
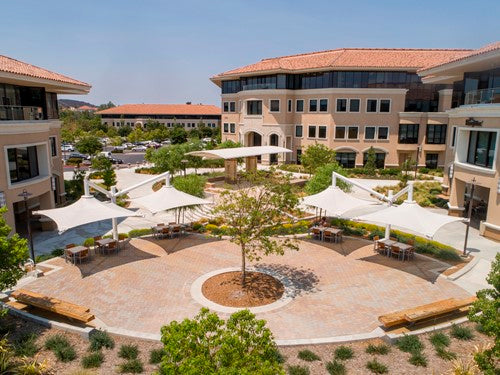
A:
347	99
30	143
473	152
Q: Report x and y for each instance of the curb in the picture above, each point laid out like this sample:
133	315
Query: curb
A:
464	270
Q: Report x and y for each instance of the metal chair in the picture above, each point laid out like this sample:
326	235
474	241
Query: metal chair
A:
82	255
375	243
69	254
396	251
328	235
111	247
316	233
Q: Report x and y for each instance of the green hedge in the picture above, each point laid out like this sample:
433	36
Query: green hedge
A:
54	253
284	229
139	232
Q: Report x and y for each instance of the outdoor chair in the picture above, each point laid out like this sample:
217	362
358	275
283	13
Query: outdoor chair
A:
96	246
339	237
122	240
82	255
396	251
375	243
381	248
111	247
328	235
411	242
172	223
316	233
176	230
410	254
165	232
393	239
68	254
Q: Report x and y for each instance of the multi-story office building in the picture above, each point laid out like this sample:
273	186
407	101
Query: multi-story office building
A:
188	115
30	157
473	135
347	99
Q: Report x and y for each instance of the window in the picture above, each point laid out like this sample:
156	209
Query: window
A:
299	105
431	161
274	105
385	105
453	136
322	131
254	107
313	105
226	127
354	105
232	106
371	105
225	106
370	132
53	146
232	128
339	132
312	131
383	132
346	159
289	105
299	156
23	163
481	150
298	131
436	134
323	105
352	132
408	133
379	159
341	105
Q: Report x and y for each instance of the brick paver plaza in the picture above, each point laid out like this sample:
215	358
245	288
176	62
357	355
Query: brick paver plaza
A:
340	289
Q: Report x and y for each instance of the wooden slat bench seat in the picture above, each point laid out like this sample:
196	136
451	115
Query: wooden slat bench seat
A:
423	312
67	309
17	305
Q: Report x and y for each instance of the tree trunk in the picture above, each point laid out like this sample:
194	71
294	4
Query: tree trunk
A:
243	270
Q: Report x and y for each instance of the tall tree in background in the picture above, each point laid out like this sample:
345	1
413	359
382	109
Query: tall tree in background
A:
89	144
105	168
322	179
371	162
316	156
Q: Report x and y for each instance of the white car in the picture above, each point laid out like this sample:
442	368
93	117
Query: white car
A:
67	148
139	148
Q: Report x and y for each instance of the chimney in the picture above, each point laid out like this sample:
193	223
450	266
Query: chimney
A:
188	103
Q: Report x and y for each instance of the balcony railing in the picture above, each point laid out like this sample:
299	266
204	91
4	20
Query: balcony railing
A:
484	96
260	86
20	113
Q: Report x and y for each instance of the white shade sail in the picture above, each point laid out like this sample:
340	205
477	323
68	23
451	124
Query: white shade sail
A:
84	211
410	215
167	198
239	152
335	201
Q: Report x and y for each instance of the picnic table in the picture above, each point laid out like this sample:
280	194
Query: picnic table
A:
102	243
404	247
337	233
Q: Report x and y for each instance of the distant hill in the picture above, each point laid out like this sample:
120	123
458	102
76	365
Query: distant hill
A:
66	103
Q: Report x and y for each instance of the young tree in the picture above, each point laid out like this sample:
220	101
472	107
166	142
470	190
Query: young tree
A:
89	145
371	162
136	135
485	311
178	135
316	156
167	158
191	184
323	179
124	131
251	213
209	345
13	253
105	168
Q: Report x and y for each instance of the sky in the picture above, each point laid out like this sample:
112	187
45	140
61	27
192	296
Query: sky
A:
153	51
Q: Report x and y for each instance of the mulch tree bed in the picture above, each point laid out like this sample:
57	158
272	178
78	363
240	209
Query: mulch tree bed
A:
226	289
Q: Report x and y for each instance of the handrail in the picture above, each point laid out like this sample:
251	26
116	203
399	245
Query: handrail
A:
483	96
20	112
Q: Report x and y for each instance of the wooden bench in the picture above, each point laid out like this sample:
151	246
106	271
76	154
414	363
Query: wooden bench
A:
67	309
423	312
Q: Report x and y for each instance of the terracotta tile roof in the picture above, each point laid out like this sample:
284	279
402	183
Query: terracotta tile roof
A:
11	65
352	58
487	48
87	108
162	109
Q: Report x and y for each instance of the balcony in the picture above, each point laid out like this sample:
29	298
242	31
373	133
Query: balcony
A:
260	86
20	113
484	96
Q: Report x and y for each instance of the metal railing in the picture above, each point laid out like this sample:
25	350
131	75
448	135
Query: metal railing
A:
20	113
484	96
260	86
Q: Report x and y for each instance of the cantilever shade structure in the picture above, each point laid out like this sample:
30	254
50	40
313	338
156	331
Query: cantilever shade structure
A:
409	215
335	201
84	211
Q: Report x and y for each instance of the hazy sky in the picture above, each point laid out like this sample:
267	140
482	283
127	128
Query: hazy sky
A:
152	51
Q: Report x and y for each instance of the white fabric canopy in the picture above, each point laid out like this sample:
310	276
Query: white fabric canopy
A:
167	198
85	210
335	201
410	215
239	152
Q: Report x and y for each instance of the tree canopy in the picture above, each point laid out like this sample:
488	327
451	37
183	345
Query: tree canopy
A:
371	162
316	156
209	345
105	168
89	144
323	179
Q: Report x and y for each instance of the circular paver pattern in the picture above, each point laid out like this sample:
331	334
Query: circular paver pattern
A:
333	290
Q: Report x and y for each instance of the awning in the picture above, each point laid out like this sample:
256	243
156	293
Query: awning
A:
404	121
436	122
84	211
239	152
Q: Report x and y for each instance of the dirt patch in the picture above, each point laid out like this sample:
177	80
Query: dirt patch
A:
226	289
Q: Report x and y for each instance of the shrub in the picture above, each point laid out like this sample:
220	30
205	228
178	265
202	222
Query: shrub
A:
344	352
93	360
439	340
54	253
28	366
133	366
65	353
128	351
461	332
336	368
156	355
100	339
308	356
26	346
378	349
298	370
418	359
409	344
139	232
376	367
89	242
191	184
441	352
56	341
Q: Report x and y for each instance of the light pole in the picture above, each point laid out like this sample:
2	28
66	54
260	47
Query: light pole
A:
184	163
25	195
469	214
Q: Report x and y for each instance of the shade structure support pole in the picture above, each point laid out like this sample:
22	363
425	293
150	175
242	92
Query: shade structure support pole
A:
469	215
145	182
334	180
361	186
410	191
388	226
86	186
114	220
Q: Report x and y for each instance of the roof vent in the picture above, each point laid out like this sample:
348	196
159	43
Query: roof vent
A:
188	103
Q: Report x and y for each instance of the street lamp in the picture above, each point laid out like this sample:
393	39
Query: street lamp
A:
469	214
184	163
25	195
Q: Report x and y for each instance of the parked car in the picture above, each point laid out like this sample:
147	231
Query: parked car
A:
77	155
139	148
67	148
119	148
153	145
166	142
116	161
106	154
